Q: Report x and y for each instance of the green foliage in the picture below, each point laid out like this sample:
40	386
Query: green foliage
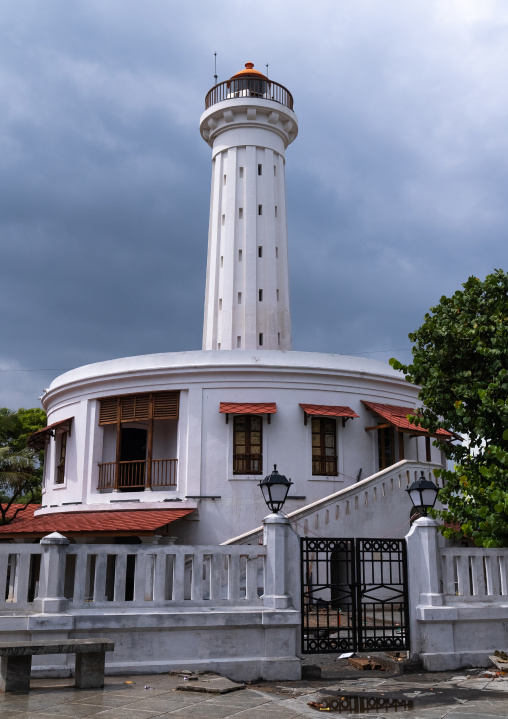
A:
460	359
20	466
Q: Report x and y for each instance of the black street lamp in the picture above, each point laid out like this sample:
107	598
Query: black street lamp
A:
275	489
423	495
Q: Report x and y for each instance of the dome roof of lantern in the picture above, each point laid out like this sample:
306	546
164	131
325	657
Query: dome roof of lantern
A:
249	70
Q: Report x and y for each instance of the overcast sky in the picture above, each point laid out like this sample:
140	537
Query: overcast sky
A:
396	184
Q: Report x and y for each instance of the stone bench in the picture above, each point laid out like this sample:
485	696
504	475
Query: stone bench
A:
16	661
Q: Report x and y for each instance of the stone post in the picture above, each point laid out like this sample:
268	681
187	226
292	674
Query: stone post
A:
282	563
423	561
50	599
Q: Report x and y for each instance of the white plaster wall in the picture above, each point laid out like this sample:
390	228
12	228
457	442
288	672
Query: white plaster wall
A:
245	135
202	441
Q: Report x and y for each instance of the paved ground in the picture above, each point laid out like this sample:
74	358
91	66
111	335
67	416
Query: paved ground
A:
342	690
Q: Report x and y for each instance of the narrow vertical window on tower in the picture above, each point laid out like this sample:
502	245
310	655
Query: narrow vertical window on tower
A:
239	255
220	303
248	444
324	446
224	179
239	298
260	169
260	209
62	451
223	220
275	170
260	339
240	173
260	251
277	295
276	253
222	261
238	342
275	210
260	294
240	213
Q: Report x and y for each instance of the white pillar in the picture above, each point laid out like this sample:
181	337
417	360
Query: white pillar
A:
50	599
282	568
247	281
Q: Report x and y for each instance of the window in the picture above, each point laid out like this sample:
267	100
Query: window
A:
260	293
239	255
240	172
260	251
260	169
277	295
224	179
138	429
260	339
276	253
275	170
240	213
260	209
220	303
223	220
60	467
239	298
248	444
239	342
324	446
385	445
276	211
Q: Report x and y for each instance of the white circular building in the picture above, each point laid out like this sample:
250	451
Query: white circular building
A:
170	447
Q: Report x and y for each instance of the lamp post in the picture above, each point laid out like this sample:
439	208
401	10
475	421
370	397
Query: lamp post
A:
423	495
275	489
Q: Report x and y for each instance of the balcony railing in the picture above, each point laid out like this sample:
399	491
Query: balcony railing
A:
325	466
247	464
249	86
134	475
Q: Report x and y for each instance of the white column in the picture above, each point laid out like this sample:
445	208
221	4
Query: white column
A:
50	599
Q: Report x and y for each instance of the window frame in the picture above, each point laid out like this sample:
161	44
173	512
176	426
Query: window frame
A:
322	457
61	455
246	469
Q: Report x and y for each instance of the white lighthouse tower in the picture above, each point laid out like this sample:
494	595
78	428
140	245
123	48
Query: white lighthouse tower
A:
248	123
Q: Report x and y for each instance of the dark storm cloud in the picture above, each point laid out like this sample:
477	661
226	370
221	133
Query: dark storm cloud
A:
396	183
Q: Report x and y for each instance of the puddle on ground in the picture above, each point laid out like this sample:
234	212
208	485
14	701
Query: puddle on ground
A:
361	704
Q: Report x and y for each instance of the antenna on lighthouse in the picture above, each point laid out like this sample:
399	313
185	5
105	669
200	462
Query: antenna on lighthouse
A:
215	76
266	69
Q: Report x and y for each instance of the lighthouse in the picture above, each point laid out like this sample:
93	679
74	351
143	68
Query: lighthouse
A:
248	122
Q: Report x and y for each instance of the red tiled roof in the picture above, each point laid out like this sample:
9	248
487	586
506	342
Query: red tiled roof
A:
248	407
37	440
126	521
327	410
398	417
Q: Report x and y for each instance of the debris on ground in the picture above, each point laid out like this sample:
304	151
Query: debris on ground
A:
364	664
209	684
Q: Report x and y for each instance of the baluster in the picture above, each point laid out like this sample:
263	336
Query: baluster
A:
463	576
448	575
197	576
4	560
99	590
159	577
120	576
478	577
178	576
80	576
251	590
140	577
215	580
23	576
233	577
492	572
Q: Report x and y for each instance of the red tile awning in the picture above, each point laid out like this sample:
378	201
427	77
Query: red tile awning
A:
327	410
248	408
121	522
37	440
398	418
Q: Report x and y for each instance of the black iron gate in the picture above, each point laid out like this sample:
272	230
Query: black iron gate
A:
354	595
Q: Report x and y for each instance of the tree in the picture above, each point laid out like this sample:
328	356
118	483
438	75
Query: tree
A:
20	466
460	359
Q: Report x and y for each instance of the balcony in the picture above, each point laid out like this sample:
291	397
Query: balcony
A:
248	86
137	475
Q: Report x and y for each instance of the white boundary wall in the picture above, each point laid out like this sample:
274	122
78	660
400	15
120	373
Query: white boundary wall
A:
229	609
458	600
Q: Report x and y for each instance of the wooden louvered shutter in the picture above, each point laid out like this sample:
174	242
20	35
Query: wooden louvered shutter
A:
108	410
135	407
165	405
